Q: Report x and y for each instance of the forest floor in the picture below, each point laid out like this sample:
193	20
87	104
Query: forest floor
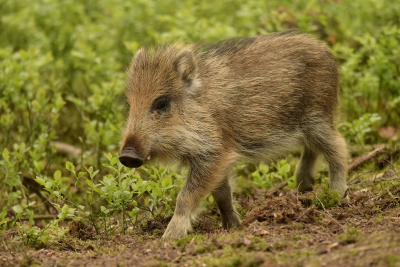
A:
280	228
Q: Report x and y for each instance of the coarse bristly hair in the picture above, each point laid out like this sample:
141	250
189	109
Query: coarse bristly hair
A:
245	98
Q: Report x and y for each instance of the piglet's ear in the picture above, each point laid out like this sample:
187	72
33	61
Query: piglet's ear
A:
138	55
185	64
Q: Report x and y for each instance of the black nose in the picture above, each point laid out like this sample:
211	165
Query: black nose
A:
130	158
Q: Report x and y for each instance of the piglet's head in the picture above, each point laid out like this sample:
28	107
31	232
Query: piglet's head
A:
158	83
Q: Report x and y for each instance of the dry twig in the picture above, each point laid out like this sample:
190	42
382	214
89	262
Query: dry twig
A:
276	189
361	160
297	192
304	213
68	149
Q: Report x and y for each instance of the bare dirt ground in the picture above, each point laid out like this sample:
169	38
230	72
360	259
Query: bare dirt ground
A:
281	230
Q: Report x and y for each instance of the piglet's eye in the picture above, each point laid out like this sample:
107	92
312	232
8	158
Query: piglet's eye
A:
160	105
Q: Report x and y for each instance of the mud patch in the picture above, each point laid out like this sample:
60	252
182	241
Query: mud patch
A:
81	230
156	226
282	210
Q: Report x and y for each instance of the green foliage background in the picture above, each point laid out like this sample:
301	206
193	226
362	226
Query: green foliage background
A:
62	70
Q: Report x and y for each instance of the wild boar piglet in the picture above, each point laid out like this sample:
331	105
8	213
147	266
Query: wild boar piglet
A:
253	99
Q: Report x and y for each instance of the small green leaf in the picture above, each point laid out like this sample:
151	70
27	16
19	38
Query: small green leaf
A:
284	169
81	174
134	187
114	161
117	194
79	184
92	175
71	211
152	183
142	189
157	191
18	209
57	174
89	182
98	191
6	154
127	194
110	167
133	212
263	168
139	182
163	171
166	182
255	175
38	166
65	208
148	188
90	170
69	166
40	181
49	184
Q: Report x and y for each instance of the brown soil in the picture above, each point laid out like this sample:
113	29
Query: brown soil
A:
283	230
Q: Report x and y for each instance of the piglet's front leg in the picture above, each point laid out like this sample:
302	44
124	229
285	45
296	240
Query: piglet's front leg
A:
203	178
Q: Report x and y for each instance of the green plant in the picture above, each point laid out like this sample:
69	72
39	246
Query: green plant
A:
15	198
370	72
122	192
117	198
266	176
361	130
325	198
33	235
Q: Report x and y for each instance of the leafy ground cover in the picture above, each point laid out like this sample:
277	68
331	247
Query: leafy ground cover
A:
66	200
282	229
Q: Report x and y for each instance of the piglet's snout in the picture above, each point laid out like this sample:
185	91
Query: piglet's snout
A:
130	158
